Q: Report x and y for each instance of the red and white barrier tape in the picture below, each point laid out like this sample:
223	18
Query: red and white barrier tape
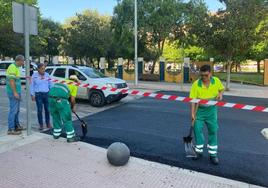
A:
167	97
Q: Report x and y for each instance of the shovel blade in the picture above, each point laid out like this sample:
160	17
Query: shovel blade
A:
189	147
84	129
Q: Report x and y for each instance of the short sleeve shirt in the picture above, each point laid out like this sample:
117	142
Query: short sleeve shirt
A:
13	73
200	91
73	89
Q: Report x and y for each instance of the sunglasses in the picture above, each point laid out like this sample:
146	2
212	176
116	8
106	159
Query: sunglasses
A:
204	75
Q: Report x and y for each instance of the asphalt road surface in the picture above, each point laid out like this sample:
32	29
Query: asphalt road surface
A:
153	130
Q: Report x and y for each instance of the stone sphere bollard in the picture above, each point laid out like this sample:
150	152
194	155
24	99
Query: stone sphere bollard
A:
118	154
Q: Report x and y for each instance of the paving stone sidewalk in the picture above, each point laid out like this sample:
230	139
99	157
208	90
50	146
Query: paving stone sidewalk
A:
47	163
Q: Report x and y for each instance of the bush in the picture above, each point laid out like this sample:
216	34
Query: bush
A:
149	77
130	71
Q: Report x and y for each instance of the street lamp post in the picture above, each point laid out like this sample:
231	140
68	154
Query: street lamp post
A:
136	42
25	21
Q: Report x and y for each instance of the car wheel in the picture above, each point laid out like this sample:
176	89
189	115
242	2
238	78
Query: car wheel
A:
3	80
96	98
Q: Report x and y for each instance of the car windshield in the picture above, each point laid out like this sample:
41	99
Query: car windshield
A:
93	73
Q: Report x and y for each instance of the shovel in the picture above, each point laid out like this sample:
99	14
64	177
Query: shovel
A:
83	125
188	142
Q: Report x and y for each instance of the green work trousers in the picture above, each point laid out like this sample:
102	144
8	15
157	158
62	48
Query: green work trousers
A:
206	115
61	113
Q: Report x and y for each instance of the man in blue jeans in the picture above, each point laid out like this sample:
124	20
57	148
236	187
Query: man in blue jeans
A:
40	86
13	87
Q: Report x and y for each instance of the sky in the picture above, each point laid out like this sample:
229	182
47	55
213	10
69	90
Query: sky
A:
59	10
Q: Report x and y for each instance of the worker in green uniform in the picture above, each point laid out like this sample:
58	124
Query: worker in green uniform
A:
61	109
209	88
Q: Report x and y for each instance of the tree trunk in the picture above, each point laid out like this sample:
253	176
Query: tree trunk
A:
98	64
49	59
110	65
258	66
92	62
160	46
128	64
228	79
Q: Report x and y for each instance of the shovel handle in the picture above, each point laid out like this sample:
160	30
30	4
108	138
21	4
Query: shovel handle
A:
82	121
193	122
191	131
78	117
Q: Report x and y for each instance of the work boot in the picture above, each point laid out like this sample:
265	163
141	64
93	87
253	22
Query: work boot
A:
56	137
74	139
214	160
13	132
198	156
19	128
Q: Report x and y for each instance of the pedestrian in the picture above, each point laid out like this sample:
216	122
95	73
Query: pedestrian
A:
46	63
13	88
61	109
31	68
207	87
40	87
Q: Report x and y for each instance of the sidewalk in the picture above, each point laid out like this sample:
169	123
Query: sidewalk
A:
47	163
236	89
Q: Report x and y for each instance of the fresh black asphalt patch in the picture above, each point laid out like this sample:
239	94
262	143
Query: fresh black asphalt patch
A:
153	130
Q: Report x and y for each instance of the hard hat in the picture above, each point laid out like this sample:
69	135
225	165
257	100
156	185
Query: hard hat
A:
74	78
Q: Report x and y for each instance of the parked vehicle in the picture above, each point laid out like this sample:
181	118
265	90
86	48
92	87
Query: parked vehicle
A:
87	75
3	69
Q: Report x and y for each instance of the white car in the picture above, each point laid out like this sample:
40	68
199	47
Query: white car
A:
87	75
3	69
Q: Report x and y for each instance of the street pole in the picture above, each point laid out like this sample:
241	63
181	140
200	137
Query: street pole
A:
136	43
27	57
182	80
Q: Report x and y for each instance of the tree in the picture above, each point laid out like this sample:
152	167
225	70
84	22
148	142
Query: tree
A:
50	37
87	36
123	27
196	53
157	21
229	32
6	9
10	43
172	53
259	50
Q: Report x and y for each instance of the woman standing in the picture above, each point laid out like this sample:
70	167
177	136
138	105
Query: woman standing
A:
40	87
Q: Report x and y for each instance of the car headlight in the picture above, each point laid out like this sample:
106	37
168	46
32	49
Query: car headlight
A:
111	85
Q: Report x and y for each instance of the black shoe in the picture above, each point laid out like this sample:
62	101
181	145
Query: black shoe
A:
74	139
13	132
198	156
20	128
214	160
41	128
56	137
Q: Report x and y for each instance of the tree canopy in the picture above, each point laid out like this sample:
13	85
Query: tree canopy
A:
170	28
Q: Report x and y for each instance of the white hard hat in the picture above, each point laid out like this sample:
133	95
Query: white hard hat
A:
74	78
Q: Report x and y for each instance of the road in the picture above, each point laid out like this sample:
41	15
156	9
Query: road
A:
83	109
153	130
